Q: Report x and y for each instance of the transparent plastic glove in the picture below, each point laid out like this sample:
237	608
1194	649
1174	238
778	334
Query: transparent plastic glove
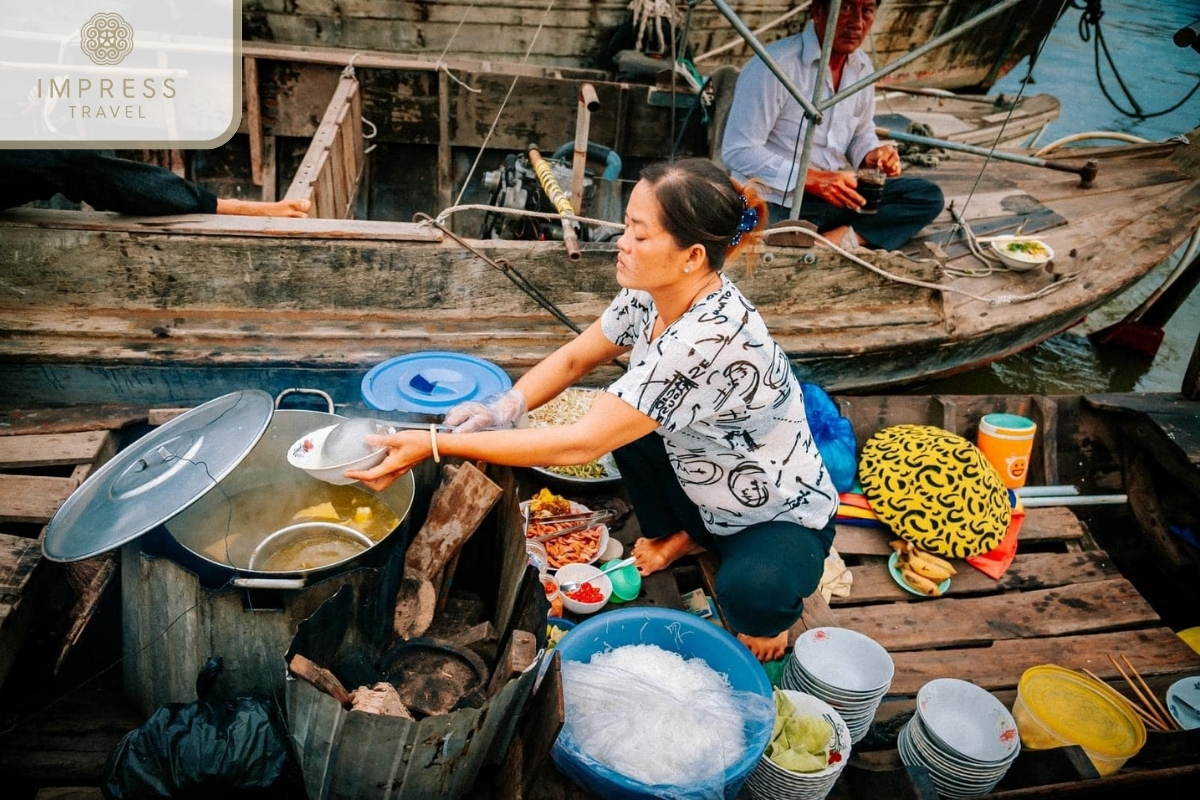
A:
494	411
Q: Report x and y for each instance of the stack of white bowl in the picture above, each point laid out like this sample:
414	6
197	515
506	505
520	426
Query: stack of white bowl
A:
769	781
850	671
963	735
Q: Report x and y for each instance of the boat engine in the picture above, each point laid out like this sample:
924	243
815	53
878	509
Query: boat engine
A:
516	186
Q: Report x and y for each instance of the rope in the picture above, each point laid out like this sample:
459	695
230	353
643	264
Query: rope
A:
506	269
1089	26
1000	133
738	39
441	64
500	111
1079	137
657	10
996	300
516	212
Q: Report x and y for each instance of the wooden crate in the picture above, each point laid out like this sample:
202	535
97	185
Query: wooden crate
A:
38	472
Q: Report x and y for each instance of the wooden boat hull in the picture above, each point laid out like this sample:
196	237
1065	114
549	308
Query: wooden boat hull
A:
578	33
137	303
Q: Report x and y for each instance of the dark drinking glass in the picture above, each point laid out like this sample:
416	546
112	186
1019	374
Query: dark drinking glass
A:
870	186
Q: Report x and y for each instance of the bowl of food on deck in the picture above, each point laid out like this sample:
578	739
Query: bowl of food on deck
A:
569	407
1022	253
593	591
578	547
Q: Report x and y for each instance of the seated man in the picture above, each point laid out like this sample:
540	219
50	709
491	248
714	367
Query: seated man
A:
765	132
108	183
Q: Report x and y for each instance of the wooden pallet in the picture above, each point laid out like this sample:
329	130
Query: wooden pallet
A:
38	472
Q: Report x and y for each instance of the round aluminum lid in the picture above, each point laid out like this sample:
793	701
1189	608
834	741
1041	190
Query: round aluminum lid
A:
158	476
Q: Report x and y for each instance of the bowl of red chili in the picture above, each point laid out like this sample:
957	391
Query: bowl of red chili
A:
593	592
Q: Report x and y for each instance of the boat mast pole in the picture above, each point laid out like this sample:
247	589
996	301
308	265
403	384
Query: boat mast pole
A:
810	108
813	109
913	55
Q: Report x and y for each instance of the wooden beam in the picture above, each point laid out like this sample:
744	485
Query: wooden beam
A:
253	119
323	176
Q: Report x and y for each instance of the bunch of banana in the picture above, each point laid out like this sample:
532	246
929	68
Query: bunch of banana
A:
921	570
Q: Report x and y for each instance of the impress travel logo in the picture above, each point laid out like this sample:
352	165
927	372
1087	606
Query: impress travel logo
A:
119	73
106	39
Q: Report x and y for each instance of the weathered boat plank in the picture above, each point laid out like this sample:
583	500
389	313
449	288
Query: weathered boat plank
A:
32	498
999	666
49	450
958	622
873	582
1052	524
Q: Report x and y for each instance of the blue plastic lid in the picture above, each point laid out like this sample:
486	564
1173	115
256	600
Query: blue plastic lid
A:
431	382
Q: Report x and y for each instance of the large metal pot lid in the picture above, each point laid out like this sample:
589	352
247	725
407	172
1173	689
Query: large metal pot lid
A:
158	476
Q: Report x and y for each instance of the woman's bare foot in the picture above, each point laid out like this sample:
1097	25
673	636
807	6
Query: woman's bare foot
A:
843	236
654	555
766	648
258	208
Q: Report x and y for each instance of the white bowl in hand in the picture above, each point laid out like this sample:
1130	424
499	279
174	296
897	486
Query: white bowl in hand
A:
306	453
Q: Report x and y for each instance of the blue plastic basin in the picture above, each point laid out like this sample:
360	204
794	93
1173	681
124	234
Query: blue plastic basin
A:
690	637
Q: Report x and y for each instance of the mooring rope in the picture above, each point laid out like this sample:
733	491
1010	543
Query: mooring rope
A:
1000	133
996	300
518	212
441	62
1089	26
500	111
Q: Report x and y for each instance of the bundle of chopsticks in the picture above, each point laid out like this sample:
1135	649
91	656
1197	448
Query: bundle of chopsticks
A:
1153	713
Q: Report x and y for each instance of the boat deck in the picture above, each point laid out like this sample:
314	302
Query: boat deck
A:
1063	601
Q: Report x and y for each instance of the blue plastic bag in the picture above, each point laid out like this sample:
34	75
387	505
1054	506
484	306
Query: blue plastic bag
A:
833	435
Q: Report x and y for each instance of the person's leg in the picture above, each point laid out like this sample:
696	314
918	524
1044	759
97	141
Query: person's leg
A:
669	520
908	205
767	570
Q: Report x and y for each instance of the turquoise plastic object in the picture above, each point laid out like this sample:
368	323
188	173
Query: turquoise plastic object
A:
690	637
431	382
626	582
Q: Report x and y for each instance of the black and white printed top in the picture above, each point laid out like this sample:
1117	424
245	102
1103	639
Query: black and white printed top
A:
731	411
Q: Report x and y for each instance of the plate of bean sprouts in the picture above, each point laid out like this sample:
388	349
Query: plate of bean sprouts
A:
569	407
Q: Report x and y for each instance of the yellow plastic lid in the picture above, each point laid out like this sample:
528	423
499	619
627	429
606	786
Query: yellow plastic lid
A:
1081	710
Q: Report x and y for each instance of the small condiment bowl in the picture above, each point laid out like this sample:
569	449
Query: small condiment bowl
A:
1019	261
585	573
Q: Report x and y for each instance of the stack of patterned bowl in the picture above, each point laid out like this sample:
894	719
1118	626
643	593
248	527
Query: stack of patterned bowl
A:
850	671
963	735
769	781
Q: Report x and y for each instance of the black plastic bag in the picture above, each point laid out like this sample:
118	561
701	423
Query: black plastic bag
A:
235	747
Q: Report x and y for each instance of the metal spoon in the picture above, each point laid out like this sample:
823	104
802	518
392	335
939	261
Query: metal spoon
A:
567	588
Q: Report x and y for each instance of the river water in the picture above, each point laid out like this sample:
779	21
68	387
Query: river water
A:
1158	75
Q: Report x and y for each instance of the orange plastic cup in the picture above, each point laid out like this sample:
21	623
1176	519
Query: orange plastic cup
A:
1006	440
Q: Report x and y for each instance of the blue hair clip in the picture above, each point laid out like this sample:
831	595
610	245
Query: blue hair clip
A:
748	222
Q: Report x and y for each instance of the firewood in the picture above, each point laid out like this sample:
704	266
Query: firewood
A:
319	677
382	699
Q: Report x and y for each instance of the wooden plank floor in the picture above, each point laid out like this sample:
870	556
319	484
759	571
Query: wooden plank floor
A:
1062	601
38	471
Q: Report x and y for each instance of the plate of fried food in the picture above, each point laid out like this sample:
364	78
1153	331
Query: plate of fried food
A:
565	409
549	513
